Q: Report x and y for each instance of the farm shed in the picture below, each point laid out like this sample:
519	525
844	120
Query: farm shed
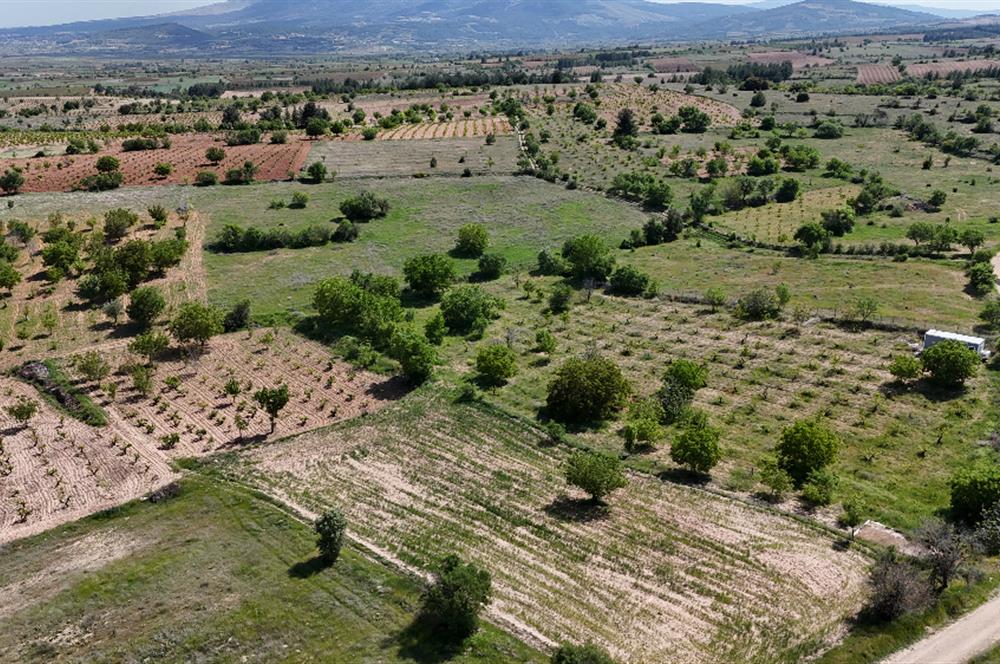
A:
977	344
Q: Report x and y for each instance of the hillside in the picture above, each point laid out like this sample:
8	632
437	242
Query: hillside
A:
448	26
814	17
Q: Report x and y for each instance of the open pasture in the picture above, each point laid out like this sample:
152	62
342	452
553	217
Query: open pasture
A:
213	574
667	573
379	159
523	216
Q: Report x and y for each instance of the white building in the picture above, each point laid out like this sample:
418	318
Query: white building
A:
977	344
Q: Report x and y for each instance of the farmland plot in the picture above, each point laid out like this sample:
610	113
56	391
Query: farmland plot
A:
205	418
942	69
776	223
668	573
642	100
798	59
186	156
874	74
57	469
461	128
388	158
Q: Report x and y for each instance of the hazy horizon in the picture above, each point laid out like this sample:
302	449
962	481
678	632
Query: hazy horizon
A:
18	13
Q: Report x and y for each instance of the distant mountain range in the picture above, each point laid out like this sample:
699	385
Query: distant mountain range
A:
239	27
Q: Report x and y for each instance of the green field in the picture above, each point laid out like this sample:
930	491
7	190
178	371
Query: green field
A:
215	574
523	216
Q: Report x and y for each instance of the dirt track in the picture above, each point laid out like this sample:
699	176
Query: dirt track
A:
959	642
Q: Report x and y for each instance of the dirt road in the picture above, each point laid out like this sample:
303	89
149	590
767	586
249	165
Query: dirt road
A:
957	643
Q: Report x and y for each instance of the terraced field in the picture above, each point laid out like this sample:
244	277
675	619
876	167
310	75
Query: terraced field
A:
666	572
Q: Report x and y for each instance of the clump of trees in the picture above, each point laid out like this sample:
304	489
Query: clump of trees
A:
236	239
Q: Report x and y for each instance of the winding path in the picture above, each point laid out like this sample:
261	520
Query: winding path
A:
967	637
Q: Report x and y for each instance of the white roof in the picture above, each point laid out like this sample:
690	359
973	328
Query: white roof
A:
954	336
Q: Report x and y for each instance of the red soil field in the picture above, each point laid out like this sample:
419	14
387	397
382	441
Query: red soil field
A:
799	60
945	68
672	65
872	74
186	155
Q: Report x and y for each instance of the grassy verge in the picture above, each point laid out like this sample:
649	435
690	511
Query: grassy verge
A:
870	643
215	574
58	389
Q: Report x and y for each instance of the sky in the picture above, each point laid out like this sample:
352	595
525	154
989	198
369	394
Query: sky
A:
49	12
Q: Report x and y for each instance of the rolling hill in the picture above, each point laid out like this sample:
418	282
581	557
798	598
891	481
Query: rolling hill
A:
315	26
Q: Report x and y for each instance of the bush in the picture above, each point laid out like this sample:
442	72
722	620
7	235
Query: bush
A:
118	221
496	364
429	274
330	529
759	304
472	240
688	374
642	427
629	280
366	206
820	487
467	307
905	368
145	304
206	179
435	328
805	447
588	257
595	473
829	130
896	588
238	317
195	322
552	264
317	171
697	448
950	363
452	604
359	304
491	266
347	231
102	181
587	389
560	298
108	164
975	490
300	199
583	654
11	181
215	154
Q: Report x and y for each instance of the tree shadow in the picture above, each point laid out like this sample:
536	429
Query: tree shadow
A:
577	510
421	642
684	476
308	568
